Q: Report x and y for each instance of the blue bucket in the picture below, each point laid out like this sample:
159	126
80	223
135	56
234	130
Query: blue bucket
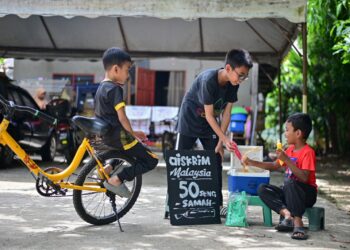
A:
239	117
237	123
237	127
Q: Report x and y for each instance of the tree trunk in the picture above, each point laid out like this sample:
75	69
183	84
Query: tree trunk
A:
333	132
326	136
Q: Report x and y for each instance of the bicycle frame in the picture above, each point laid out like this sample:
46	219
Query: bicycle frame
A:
7	139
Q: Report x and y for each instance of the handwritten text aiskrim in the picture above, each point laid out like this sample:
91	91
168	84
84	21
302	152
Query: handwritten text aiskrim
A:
198	160
194	174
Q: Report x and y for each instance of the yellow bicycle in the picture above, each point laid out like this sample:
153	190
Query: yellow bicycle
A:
93	203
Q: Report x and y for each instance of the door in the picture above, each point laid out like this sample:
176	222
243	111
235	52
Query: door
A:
145	87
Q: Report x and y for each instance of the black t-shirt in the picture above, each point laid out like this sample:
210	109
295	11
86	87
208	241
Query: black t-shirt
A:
205	90
108	99
108	96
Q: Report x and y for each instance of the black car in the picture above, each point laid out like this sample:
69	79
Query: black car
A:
32	134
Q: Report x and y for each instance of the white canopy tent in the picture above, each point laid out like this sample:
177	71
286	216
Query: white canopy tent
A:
294	10
54	29
65	29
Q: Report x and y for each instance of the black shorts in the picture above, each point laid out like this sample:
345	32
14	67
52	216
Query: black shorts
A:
119	138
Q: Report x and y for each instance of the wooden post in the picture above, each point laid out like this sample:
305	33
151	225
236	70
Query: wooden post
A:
304	37
280	122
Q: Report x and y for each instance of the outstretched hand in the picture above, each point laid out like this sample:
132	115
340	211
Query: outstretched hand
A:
281	155
230	145
245	160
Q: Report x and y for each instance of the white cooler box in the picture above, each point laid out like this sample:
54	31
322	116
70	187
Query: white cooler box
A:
247	181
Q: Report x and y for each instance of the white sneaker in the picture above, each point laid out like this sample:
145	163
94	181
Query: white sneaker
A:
121	190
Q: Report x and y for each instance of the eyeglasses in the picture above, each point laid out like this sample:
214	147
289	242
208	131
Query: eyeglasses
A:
241	77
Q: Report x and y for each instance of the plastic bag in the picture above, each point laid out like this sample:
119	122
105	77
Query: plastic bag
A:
237	210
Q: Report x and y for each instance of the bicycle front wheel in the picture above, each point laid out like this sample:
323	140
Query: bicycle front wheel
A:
95	207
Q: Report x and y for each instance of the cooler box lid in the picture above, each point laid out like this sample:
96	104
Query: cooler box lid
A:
264	173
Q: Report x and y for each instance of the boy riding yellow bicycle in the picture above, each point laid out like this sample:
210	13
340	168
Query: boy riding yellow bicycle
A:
117	158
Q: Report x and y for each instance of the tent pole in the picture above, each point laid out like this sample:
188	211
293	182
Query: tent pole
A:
304	36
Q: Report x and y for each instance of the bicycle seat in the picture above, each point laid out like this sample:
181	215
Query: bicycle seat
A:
91	125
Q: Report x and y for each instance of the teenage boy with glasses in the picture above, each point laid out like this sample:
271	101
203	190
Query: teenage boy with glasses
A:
212	93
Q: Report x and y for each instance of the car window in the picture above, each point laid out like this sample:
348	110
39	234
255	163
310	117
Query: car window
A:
14	96
21	98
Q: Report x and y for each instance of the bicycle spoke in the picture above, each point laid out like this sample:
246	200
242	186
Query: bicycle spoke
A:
96	204
95	210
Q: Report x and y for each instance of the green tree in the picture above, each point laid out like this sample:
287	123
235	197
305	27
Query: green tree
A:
328	76
341	31
291	82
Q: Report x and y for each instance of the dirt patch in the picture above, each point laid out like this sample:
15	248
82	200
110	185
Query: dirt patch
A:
333	179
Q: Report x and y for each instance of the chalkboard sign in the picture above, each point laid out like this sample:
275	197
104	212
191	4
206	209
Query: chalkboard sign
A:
192	187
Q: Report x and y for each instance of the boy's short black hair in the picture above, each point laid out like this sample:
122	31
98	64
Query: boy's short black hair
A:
302	122
238	57
115	56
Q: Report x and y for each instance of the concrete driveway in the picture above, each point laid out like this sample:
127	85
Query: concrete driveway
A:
30	221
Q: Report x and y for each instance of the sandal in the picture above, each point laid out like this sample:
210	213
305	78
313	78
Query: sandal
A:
285	225
223	212
299	234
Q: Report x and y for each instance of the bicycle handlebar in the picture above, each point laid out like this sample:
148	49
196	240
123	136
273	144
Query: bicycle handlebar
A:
11	106
37	113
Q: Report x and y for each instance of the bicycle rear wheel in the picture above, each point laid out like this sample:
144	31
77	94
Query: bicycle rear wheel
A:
95	207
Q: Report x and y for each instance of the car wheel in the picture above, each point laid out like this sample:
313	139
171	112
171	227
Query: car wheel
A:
48	151
6	156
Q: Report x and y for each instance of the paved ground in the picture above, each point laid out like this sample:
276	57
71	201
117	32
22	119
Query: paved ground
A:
30	221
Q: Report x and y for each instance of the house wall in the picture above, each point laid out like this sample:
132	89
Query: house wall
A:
28	69
193	67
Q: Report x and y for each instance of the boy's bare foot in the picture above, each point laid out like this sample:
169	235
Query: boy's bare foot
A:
299	231
298	222
285	213
286	224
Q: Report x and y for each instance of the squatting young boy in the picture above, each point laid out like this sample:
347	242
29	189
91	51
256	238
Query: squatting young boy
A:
300	190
